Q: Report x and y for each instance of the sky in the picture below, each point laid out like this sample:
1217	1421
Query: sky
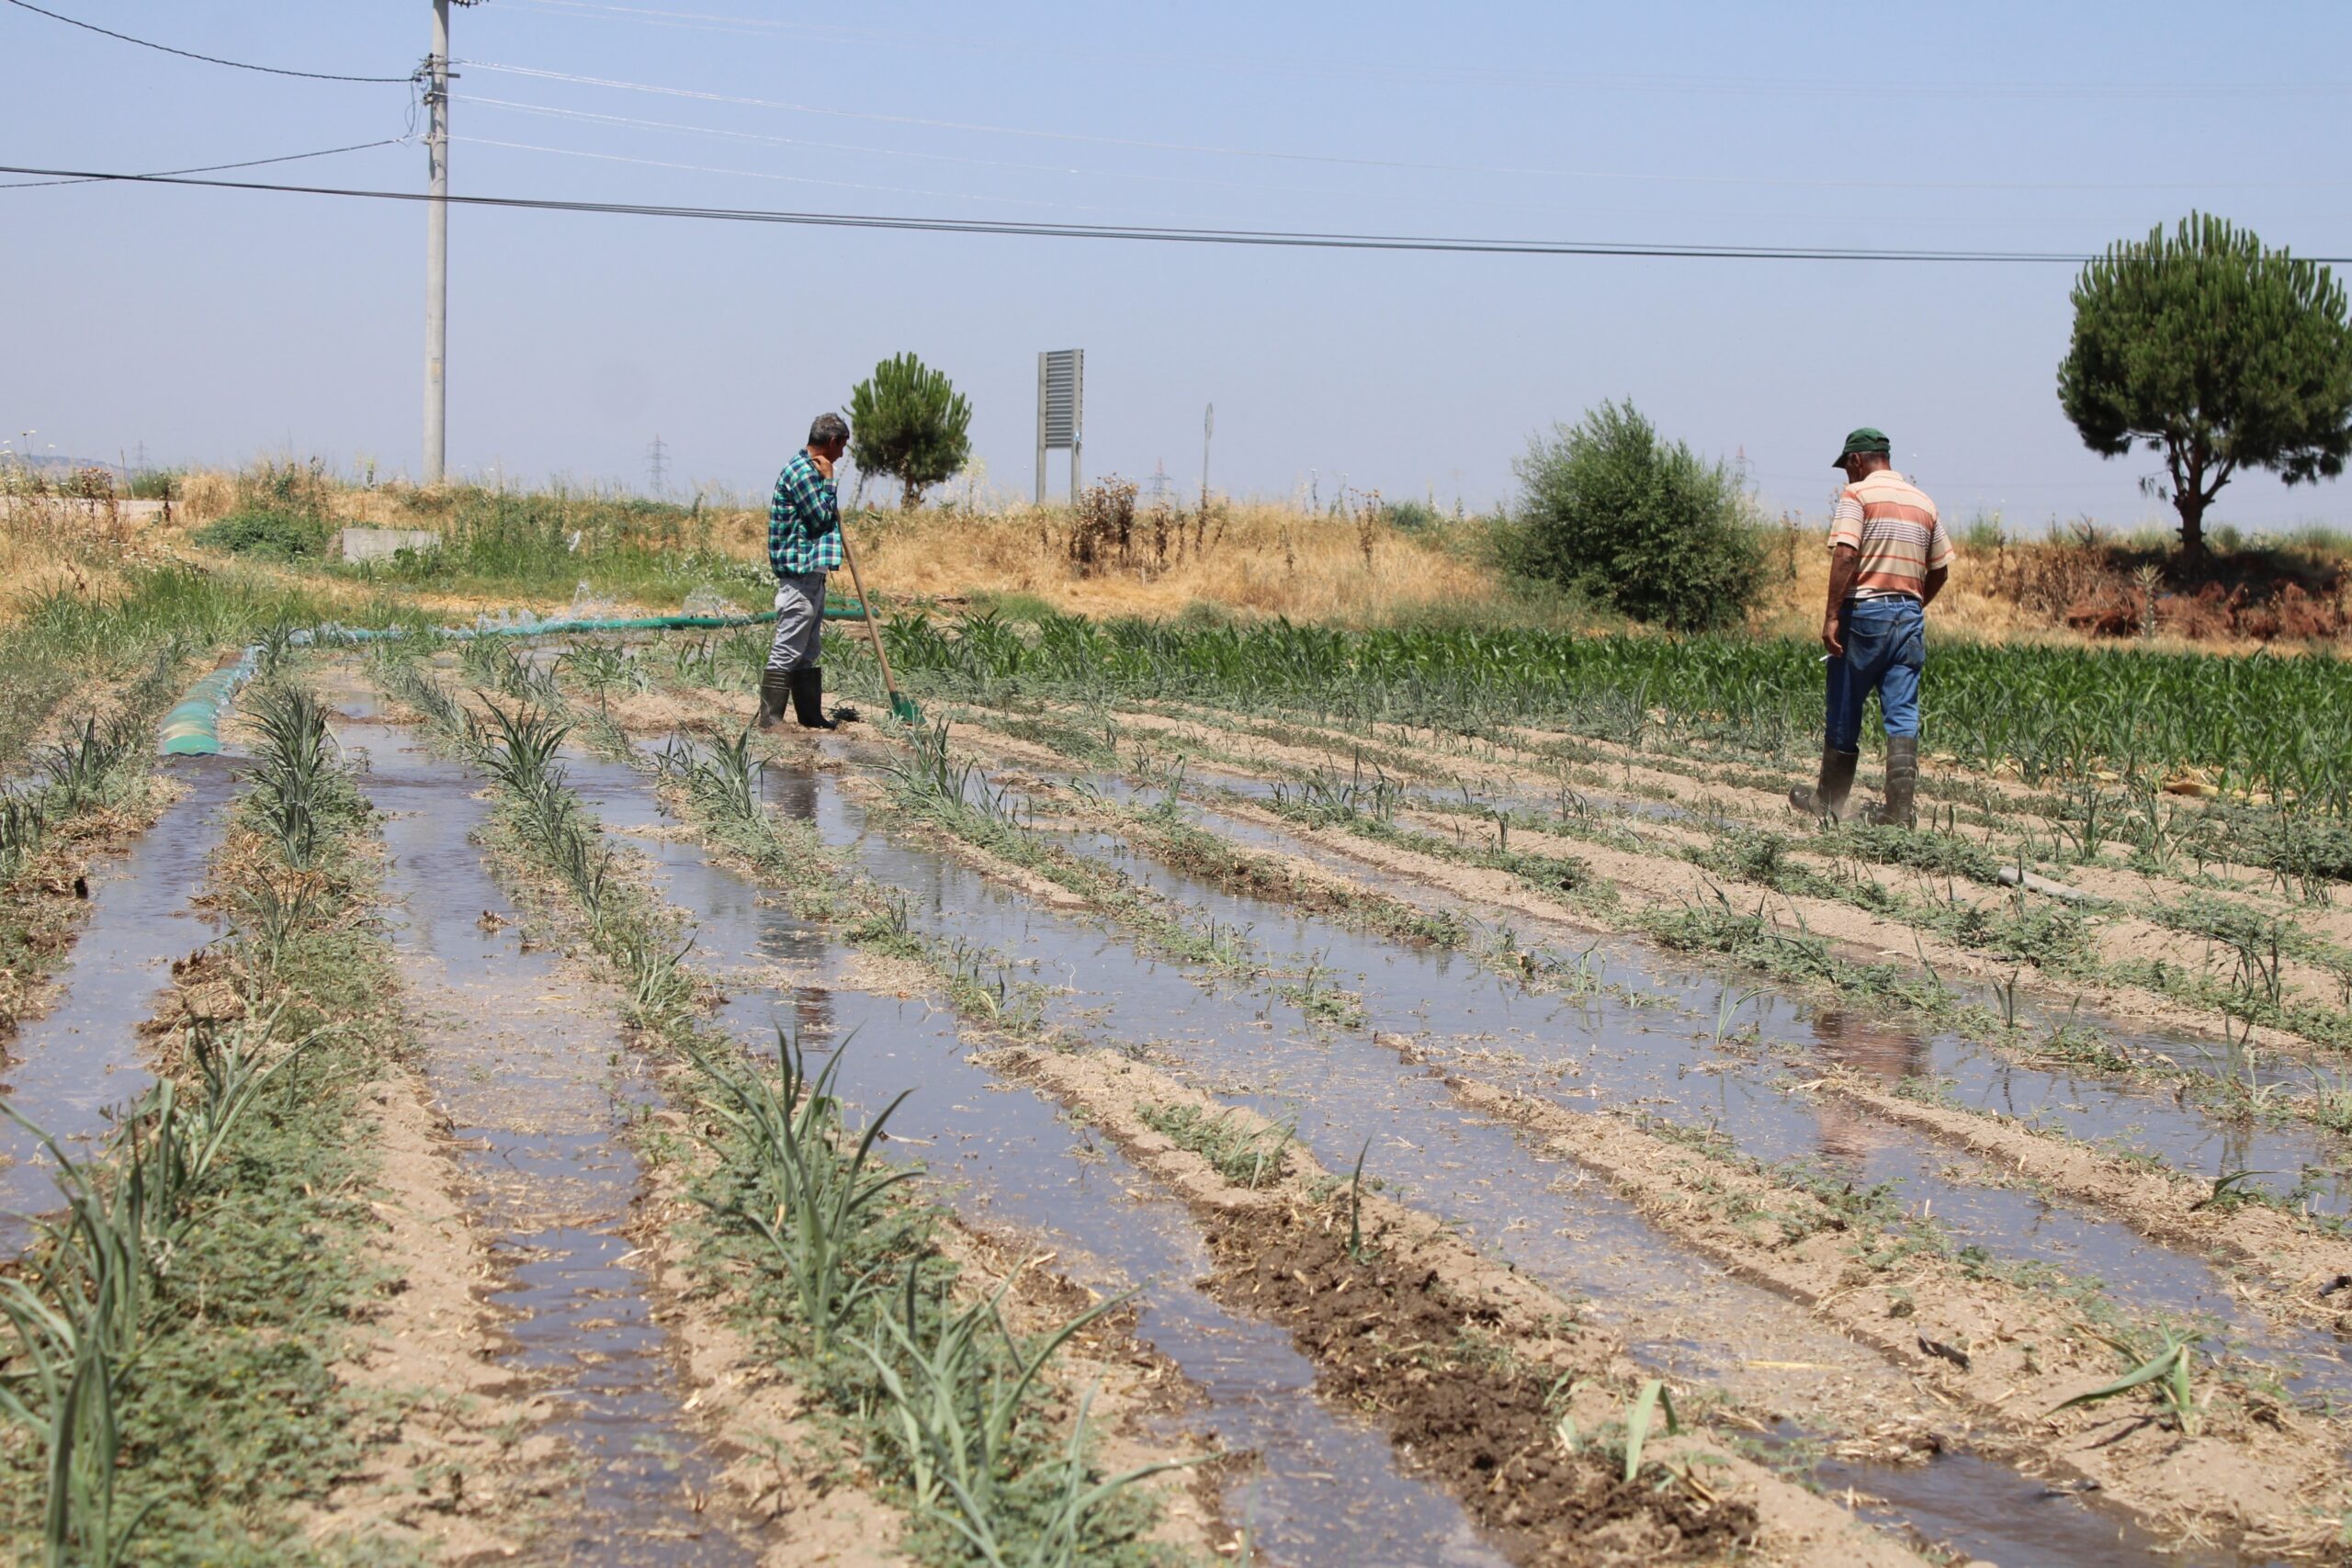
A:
213	326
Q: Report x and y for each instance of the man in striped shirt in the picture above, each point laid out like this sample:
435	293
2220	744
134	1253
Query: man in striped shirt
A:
804	543
1888	559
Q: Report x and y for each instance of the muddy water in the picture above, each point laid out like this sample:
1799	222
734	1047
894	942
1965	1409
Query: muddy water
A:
1326	1490
537	1087
2090	1107
68	1069
1599	1050
1681	1315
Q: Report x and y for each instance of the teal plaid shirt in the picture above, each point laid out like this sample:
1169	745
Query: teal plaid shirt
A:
803	521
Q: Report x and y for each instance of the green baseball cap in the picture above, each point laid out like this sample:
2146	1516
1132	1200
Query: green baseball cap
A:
1866	439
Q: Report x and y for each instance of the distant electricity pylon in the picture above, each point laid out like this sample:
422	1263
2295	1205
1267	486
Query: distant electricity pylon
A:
1162	490
657	466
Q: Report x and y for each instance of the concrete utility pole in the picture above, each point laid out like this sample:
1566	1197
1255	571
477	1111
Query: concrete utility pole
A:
436	249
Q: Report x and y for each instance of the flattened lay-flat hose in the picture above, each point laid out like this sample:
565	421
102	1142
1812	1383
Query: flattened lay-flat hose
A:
192	728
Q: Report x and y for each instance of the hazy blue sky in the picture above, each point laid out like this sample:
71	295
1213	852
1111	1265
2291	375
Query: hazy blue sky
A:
214	326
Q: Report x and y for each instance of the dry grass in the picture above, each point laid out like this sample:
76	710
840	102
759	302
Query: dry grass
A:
1260	560
1256	559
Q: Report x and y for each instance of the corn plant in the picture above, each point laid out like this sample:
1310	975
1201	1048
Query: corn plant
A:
1639	1418
1355	1205
2168	1369
818	1203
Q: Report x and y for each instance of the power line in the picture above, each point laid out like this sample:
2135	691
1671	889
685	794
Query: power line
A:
208	58
1274	238
215	168
766	139
1344	160
1421	73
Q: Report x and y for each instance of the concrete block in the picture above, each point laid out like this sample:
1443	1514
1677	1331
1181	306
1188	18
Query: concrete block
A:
383	544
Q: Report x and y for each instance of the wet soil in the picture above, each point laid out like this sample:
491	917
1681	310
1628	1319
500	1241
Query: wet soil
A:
537	1089
1577	1235
1321	1488
1151	995
1408	1348
83	1057
1597	1048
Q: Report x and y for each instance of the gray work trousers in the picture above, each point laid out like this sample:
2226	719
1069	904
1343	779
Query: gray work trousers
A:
799	620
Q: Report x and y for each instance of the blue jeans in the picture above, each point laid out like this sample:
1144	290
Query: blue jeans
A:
1886	645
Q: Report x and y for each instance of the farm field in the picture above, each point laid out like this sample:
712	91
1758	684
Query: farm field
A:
1206	1092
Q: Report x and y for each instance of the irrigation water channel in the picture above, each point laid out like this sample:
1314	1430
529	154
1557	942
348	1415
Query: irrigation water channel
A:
1644	1032
535	1087
2284	1159
1678	1311
1327	1489
73	1066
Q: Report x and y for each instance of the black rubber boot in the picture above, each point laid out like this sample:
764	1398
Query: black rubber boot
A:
809	698
776	697
1902	782
1828	797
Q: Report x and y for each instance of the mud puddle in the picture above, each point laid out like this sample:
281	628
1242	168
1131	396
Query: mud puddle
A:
536	1088
69	1068
1326	1490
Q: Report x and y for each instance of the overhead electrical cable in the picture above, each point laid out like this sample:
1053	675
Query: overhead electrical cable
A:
213	168
1421	73
208	58
770	175
1267	238
1282	155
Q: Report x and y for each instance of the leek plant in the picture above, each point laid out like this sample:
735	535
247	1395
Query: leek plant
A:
959	1385
818	1203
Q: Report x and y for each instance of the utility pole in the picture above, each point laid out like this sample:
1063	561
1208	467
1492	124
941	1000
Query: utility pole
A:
436	249
1208	428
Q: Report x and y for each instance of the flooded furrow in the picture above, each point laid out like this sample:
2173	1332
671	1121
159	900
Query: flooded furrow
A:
83	1059
1327	1489
2108	1109
1679	1312
537	1087
1598	1050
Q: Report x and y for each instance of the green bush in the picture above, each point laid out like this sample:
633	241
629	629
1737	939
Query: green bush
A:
1611	511
274	536
1413	516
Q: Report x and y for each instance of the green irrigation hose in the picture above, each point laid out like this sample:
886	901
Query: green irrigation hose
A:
192	728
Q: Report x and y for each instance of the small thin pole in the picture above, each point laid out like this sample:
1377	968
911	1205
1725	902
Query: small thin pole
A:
889	684
1208	428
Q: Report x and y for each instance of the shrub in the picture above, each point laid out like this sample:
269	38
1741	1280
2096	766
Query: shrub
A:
275	536
281	512
1411	515
1611	511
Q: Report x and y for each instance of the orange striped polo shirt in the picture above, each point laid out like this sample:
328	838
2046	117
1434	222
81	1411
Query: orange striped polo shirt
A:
1893	525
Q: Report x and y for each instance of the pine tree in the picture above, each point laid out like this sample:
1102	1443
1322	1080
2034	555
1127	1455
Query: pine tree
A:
907	421
2221	354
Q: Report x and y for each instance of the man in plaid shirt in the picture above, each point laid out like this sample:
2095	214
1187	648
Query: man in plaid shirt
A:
804	543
